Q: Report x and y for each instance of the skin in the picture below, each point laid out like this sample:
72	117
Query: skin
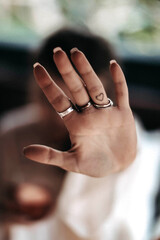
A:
103	140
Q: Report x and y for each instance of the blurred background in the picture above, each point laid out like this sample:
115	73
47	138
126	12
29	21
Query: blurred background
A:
132	26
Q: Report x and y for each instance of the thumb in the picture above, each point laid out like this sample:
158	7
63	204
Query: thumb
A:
47	155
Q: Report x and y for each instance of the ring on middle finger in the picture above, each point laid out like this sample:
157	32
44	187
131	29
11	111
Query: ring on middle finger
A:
82	108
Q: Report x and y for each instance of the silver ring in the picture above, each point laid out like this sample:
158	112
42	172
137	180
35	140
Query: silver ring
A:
109	104
66	112
81	108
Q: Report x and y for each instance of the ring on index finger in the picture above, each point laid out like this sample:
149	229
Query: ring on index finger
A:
67	111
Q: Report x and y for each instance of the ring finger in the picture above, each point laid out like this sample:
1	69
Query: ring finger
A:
94	85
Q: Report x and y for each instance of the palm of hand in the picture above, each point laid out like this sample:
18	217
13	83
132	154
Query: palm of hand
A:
100	139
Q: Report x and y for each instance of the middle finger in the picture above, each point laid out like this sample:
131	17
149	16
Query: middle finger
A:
70	77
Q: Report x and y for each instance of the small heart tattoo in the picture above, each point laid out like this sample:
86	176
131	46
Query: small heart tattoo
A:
100	97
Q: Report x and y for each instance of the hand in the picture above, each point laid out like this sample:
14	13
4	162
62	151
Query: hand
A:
103	140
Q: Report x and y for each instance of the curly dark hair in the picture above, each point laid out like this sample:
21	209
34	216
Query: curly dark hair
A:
97	50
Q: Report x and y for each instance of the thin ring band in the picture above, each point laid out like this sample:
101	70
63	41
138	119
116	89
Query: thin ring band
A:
109	104
81	108
67	111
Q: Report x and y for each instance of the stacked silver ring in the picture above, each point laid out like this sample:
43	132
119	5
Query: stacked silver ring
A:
82	108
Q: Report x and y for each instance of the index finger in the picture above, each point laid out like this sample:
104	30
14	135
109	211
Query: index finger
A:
54	94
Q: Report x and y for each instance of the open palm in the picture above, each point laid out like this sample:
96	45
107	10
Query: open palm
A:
103	140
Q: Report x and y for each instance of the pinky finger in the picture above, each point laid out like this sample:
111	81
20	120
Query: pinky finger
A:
121	88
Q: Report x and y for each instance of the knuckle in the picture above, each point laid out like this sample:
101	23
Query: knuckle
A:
57	100
120	93
119	84
77	89
47	86
94	89
67	73
120	89
87	73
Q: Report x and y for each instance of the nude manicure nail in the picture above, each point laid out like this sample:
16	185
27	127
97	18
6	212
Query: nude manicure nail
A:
112	61
57	49
73	50
36	64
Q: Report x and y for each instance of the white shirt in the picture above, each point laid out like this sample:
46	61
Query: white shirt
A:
117	207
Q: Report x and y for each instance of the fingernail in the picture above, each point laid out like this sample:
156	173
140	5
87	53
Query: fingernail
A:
57	49
112	61
27	149
24	150
74	50
36	64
